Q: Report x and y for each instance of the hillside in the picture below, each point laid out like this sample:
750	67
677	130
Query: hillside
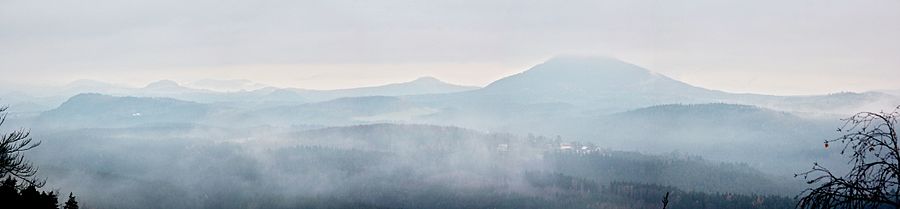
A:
602	165
774	140
97	110
420	86
379	164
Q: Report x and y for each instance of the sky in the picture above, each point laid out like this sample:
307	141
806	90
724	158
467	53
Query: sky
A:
764	46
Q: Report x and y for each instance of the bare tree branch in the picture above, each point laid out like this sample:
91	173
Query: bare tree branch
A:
12	162
870	141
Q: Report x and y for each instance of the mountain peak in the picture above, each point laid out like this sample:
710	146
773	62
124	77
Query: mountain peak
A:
591	80
580	72
163	84
87	82
582	59
591	65
427	79
226	85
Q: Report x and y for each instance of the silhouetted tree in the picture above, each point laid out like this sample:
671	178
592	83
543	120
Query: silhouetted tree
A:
48	200
12	162
30	196
71	203
665	201
13	166
9	194
870	140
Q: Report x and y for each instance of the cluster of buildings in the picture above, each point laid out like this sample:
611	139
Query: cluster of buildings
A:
581	148
578	147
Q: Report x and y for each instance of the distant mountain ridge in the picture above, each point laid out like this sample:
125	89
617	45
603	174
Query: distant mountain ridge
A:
97	110
731	132
217	91
599	76
578	84
419	86
593	118
226	85
607	85
169	88
559	89
599	100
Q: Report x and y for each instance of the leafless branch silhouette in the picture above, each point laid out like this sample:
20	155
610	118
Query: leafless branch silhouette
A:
12	162
873	181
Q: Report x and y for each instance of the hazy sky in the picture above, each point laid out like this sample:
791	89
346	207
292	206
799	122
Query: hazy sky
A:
765	46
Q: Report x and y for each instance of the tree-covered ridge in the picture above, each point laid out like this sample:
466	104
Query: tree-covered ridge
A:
545	153
685	172
15	195
364	179
381	165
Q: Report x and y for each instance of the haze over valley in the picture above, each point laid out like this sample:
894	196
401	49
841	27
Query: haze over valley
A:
487	104
596	120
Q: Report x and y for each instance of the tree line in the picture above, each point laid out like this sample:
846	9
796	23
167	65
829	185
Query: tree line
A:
15	168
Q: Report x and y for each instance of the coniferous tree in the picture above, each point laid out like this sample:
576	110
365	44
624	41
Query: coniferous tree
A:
29	197
48	200
14	167
9	195
71	203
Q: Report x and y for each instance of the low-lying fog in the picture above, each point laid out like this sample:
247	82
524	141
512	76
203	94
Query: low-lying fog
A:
569	133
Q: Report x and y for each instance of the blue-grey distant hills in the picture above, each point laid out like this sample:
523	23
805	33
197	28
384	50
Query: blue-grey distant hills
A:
606	85
168	88
420	86
592	81
589	118
237	94
561	90
92	110
567	87
730	132
598	100
342	111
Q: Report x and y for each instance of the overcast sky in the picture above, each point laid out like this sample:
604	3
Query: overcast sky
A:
762	46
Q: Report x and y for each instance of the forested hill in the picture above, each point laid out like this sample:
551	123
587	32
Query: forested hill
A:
381	165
